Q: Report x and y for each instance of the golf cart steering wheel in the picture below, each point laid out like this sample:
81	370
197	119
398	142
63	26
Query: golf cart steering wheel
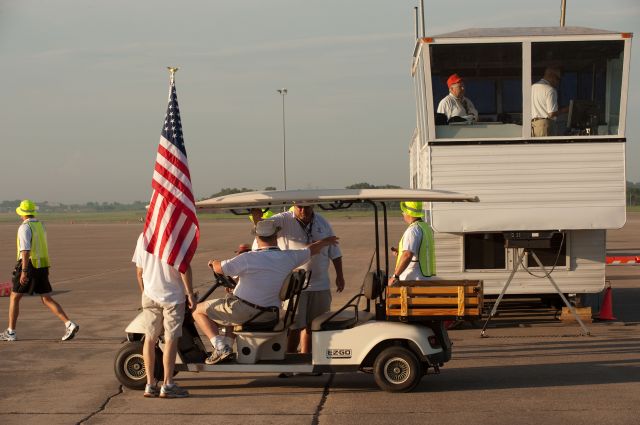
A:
222	280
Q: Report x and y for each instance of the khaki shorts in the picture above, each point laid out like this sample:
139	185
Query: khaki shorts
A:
231	311
312	304
162	317
543	127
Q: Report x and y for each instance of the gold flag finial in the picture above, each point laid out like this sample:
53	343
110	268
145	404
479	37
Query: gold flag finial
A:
172	71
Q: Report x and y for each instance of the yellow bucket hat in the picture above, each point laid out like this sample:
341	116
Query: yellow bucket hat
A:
27	207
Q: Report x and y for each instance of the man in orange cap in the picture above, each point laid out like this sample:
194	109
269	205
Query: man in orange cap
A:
455	104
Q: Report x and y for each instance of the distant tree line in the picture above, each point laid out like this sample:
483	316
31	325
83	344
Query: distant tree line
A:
55	207
633	198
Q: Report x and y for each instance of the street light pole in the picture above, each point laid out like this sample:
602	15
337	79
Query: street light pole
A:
283	92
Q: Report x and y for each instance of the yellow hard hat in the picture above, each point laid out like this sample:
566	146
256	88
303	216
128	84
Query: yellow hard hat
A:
412	208
27	207
265	214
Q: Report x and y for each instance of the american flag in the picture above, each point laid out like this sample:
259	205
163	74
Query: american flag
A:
171	229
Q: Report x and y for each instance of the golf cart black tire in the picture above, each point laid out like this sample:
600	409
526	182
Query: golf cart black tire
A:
128	366
404	380
130	356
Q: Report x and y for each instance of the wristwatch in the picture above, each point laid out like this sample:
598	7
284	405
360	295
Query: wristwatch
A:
395	276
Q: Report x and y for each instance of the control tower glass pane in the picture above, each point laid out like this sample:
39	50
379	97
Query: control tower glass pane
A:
477	90
585	81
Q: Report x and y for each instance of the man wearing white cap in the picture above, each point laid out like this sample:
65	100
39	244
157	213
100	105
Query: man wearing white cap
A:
32	272
256	296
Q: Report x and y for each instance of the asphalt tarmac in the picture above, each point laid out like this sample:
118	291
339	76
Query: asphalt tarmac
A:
530	371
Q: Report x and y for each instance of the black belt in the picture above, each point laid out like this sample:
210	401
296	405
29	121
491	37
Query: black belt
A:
257	307
538	119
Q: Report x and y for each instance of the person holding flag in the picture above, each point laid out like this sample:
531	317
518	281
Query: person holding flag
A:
164	251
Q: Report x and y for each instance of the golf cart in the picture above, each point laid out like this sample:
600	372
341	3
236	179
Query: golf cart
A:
360	336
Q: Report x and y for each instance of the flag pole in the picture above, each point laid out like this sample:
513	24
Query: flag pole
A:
172	72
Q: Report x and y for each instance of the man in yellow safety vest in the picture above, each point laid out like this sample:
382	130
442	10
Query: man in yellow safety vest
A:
32	272
416	252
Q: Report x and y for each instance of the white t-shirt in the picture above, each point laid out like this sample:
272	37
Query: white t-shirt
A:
24	235
294	236
451	106
261	273
162	282
544	99
411	240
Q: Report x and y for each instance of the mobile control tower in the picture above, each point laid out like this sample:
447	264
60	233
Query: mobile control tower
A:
557	194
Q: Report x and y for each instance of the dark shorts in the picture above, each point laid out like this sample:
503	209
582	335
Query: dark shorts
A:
38	282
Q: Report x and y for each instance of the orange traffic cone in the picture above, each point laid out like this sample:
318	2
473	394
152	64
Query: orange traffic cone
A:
606	309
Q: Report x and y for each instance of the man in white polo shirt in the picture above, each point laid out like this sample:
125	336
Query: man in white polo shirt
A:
300	227
256	296
544	103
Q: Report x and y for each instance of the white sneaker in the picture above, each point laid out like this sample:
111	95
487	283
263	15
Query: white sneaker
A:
72	330
219	355
8	336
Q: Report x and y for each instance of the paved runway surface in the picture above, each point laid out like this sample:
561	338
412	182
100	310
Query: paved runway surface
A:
538	372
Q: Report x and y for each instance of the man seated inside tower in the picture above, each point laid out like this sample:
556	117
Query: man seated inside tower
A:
455	106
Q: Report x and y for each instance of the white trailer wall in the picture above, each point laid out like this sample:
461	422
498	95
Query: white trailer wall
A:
584	272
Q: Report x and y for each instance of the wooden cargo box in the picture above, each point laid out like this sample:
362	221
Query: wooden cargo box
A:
435	299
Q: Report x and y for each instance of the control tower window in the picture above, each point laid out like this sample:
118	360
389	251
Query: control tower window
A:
490	105
588	85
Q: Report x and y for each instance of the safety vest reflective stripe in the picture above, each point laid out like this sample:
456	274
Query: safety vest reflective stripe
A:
39	253
427	253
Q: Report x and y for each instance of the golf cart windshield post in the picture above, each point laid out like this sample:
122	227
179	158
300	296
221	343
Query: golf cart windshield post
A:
377	252
375	222
386	239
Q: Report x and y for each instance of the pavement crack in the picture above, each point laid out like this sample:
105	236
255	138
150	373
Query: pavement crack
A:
323	399
102	406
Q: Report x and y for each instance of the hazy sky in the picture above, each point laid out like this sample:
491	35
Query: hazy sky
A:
85	88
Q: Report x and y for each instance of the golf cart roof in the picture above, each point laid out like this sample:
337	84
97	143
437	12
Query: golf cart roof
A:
274	198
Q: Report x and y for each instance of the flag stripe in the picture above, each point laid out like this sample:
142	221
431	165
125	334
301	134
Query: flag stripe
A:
152	206
173	222
191	250
173	199
159	225
173	182
183	229
174	156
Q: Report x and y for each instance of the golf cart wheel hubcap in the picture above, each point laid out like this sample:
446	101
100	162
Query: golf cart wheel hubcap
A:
397	370
134	367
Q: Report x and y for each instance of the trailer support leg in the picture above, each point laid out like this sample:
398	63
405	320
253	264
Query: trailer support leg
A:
548	275
504	289
566	301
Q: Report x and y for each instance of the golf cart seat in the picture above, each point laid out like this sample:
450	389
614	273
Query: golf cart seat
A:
258	341
349	315
290	290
